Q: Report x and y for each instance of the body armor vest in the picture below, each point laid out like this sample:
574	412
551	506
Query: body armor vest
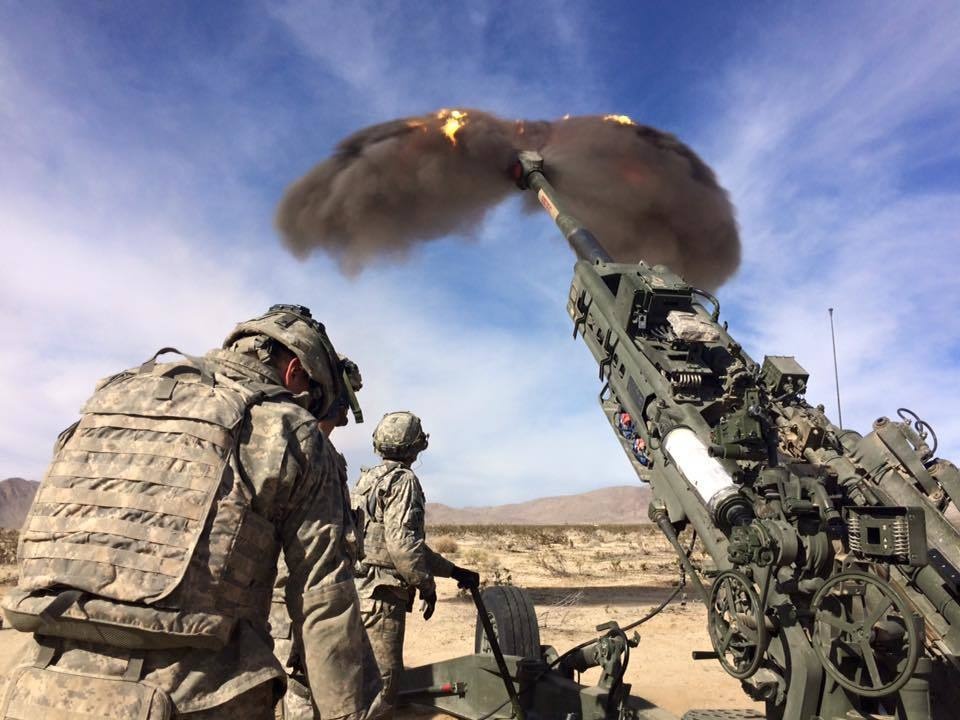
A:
367	501
142	532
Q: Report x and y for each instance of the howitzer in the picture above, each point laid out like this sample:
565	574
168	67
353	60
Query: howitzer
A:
836	577
837	585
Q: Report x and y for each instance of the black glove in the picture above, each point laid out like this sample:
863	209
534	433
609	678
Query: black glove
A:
428	601
465	578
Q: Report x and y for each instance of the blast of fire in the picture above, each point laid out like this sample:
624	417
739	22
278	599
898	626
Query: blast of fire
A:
453	120
621	119
388	187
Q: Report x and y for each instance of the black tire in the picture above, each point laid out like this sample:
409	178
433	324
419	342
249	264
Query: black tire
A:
514	622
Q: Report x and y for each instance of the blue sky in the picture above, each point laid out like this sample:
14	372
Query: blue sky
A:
144	147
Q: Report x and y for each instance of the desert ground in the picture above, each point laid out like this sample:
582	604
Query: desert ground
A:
579	577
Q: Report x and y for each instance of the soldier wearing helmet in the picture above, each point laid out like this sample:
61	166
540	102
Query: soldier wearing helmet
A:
397	562
296	703
149	554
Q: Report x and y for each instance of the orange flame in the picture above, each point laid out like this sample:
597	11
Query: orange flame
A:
620	119
453	121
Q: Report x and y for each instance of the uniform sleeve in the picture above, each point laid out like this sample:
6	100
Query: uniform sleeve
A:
403	530
321	595
439	566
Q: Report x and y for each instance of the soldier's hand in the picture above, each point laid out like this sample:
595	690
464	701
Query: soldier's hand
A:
428	601
465	578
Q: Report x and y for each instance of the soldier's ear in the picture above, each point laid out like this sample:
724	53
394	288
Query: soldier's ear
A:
294	377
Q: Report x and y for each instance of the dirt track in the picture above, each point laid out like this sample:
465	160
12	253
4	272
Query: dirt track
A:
578	580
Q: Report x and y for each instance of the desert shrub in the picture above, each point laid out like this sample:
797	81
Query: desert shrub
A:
8	546
545	536
552	562
584	568
444	544
477	559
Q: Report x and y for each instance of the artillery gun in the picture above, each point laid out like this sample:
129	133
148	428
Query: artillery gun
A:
836	577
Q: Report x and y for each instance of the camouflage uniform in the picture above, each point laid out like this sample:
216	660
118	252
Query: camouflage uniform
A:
397	562
296	703
208	653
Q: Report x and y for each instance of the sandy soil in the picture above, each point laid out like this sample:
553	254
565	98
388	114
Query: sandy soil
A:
578	580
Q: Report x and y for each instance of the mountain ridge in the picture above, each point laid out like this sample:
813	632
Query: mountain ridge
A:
16	495
620	505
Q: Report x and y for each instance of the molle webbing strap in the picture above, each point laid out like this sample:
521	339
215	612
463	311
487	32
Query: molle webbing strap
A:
197	478
49	647
125	501
197	364
141	562
201	430
58	606
110	526
178	451
134	667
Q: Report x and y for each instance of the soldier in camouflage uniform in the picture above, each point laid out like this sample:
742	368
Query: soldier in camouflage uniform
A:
148	557
397	562
296	703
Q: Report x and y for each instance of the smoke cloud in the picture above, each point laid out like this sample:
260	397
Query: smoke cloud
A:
389	187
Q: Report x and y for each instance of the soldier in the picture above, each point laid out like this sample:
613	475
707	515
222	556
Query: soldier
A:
397	562
296	703
148	557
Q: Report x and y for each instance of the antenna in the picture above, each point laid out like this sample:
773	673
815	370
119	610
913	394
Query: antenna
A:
836	373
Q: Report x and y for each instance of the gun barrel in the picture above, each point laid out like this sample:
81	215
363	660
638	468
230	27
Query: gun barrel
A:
584	243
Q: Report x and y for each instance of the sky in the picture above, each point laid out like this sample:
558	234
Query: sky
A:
144	147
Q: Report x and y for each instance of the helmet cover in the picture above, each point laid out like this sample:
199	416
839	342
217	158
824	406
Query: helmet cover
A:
399	435
296	329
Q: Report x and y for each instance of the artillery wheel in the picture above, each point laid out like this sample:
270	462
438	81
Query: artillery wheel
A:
514	621
736	624
865	634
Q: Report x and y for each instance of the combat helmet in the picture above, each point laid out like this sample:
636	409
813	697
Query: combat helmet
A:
296	329
399	435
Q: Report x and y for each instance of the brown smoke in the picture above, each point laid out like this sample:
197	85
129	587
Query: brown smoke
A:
642	192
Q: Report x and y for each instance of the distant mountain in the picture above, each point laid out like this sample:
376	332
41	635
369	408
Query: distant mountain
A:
622	505
16	494
626	505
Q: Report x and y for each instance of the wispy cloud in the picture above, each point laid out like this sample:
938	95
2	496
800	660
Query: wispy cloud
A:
404	59
819	147
136	196
117	245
